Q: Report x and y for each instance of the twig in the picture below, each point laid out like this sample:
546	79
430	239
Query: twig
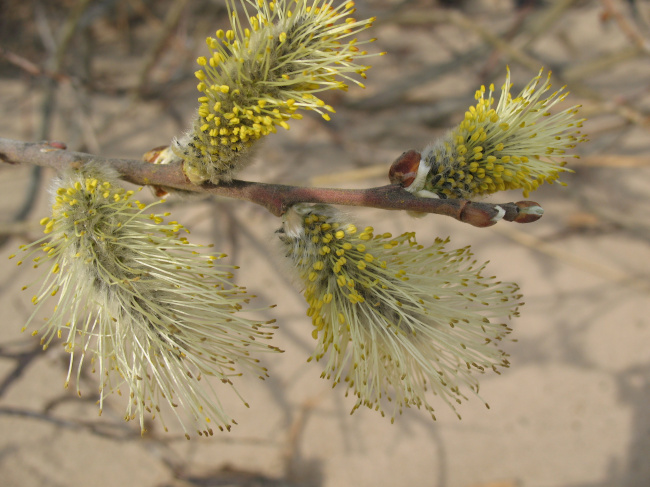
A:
468	25
627	28
23	361
396	91
521	14
593	67
276	198
605	104
544	21
114	431
171	22
30	67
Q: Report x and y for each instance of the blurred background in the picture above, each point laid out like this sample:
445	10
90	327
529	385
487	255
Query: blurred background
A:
115	77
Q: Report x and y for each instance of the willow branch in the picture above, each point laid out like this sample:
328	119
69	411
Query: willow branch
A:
276	198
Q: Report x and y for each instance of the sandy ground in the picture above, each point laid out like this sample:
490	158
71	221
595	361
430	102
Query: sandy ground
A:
572	411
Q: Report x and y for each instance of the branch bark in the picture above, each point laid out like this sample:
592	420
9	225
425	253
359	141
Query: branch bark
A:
276	198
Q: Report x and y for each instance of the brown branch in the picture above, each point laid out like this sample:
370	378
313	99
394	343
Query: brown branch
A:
30	67
170	24
276	198
609	10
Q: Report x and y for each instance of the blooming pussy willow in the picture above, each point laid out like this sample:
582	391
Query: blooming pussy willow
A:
394	319
261	73
152	312
517	144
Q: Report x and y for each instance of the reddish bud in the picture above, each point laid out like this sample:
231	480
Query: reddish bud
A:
405	168
57	145
529	212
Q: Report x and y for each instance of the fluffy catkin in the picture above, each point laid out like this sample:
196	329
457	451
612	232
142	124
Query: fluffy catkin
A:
395	320
156	317
261	73
517	144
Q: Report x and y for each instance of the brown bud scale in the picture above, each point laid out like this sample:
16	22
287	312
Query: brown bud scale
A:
405	168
